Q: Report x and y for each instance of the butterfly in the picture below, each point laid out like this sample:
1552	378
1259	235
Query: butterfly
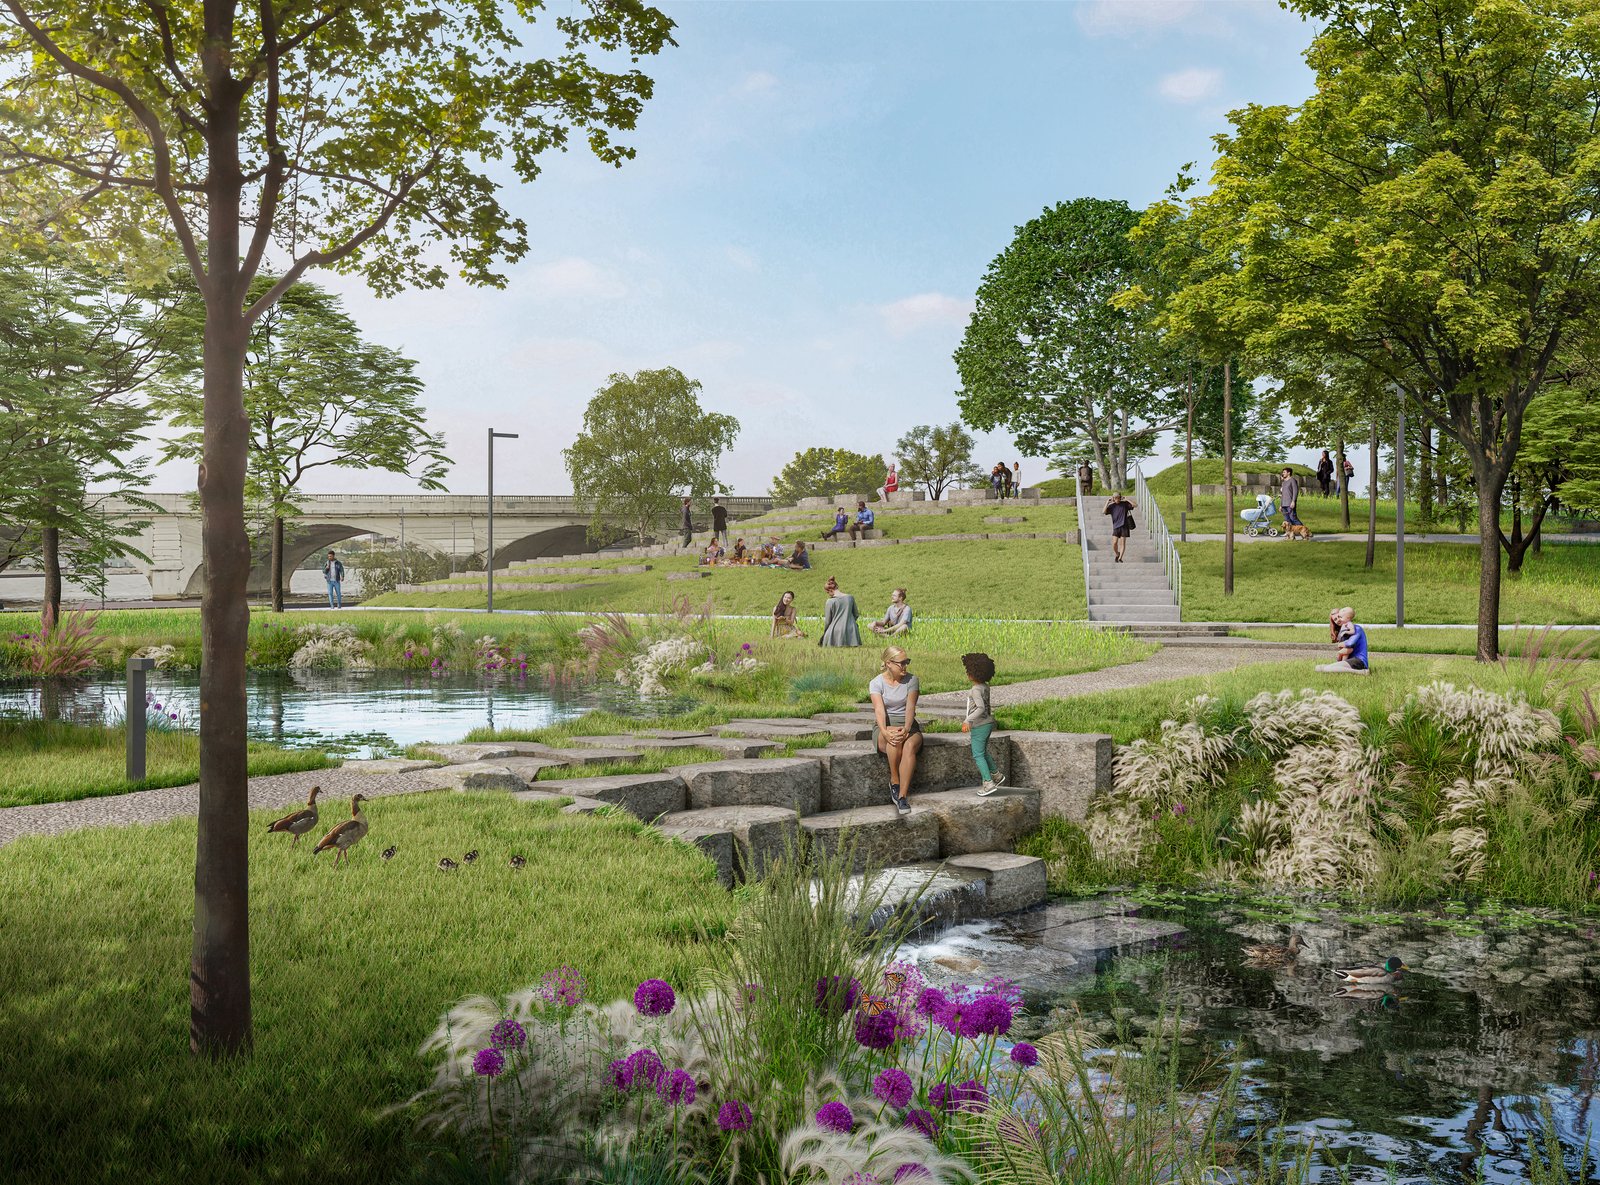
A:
895	979
874	1005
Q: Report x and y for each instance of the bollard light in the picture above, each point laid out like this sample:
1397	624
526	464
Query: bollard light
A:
136	717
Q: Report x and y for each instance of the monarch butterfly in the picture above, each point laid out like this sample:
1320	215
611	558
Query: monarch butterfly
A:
875	1005
895	979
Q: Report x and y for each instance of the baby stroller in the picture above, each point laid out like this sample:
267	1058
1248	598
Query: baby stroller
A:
1263	519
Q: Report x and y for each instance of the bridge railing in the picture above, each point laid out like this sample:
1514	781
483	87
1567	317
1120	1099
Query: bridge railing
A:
463	505
1171	562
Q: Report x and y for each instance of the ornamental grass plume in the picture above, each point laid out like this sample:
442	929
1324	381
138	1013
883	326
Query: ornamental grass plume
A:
811	1153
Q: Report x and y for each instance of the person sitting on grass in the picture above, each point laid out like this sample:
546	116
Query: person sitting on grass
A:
896	732
800	558
863	523
979	720
713	553
841	521
767	555
738	555
897	619
1352	642
784	624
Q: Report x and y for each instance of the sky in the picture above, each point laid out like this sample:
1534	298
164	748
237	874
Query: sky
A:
818	189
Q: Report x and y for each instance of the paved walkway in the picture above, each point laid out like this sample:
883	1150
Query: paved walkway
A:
1361	537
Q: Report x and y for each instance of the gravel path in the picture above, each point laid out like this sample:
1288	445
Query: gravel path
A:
275	791
280	791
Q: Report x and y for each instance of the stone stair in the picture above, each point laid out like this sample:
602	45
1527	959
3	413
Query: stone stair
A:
951	858
1132	592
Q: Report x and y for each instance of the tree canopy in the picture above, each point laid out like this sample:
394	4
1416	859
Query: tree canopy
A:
936	458
646	444
824	472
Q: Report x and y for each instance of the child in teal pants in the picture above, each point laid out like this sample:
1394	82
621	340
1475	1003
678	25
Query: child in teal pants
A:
979	722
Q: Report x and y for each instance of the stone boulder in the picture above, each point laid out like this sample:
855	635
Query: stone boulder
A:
760	834
968	823
1015	882
793	783
648	796
1068	769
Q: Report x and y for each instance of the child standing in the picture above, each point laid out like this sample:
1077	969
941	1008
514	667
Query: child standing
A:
979	722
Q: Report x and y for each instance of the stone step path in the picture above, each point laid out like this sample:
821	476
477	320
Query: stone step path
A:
1134	591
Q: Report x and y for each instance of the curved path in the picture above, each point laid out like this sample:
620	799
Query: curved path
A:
280	791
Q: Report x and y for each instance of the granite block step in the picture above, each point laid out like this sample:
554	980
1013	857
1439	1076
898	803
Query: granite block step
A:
734	747
933	894
881	834
759	834
793	783
647	796
970	823
771	730
715	842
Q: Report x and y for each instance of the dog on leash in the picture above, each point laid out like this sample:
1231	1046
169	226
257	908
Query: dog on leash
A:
1298	531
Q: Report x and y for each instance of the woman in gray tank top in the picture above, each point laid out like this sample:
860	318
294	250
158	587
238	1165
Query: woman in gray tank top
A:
898	736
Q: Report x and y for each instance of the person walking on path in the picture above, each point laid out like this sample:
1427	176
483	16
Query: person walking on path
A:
687	524
897	618
1122	524
979	721
864	520
1324	472
840	521
719	521
333	573
896	732
1352	641
838	618
1289	496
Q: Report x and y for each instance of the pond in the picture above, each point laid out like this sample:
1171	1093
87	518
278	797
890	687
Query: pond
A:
1458	1069
352	714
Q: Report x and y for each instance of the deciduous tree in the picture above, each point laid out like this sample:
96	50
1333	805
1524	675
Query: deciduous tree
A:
936	458
371	136
824	472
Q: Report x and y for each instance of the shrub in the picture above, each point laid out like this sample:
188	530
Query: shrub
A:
62	648
273	646
384	569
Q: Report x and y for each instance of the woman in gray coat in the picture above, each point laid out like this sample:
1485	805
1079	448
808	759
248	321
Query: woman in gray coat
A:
839	618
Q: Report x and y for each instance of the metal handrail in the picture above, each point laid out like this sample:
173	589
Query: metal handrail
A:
1171	561
1083	540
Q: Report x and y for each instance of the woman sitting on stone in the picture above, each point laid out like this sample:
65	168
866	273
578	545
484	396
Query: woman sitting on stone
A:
839	618
784	624
897	619
897	733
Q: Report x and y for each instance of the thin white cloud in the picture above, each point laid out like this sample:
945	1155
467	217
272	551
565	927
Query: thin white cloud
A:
1194	85
1120	18
744	260
573	278
925	309
757	82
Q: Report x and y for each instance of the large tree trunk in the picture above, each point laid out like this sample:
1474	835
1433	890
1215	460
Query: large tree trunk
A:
1491	484
1372	498
50	539
219	975
1425	485
1227	478
1344	488
277	563
1517	544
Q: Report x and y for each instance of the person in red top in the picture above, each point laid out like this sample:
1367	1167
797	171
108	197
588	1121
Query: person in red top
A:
891	483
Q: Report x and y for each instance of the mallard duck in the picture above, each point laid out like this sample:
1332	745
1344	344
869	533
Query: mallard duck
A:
388	852
470	856
297	823
1371	976
1274	954
347	834
447	865
519	862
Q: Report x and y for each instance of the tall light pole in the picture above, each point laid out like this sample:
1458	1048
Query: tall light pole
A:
489	557
1400	514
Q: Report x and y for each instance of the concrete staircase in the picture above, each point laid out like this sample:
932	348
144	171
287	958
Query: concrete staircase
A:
1132	592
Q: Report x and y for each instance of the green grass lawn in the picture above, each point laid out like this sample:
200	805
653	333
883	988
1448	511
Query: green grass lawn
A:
352	969
58	762
790	525
1279	580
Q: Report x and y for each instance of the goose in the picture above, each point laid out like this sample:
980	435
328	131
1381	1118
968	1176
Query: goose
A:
297	823
347	834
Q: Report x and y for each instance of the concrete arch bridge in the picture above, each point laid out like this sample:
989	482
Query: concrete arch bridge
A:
525	527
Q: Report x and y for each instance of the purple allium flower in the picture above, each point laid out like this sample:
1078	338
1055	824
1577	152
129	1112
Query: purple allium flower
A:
508	1034
1009	992
676	1088
837	994
919	1119
909	1172
654	997
172	715
939	1094
931	1002
620	1074
986	1016
1179	809
893	1086
861	1178
489	1062
970	1096
645	1066
835	1117
1024	1055
734	1116
877	1032
563	986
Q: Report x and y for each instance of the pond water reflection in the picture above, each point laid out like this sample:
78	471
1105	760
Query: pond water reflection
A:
354	714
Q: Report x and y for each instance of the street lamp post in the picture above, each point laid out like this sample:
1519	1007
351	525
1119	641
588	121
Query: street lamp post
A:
489	551
1400	518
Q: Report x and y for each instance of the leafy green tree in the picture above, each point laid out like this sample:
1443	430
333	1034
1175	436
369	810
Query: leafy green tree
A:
1557	465
936	458
646	444
1428	214
363	136
1050	356
824	472
317	395
77	349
